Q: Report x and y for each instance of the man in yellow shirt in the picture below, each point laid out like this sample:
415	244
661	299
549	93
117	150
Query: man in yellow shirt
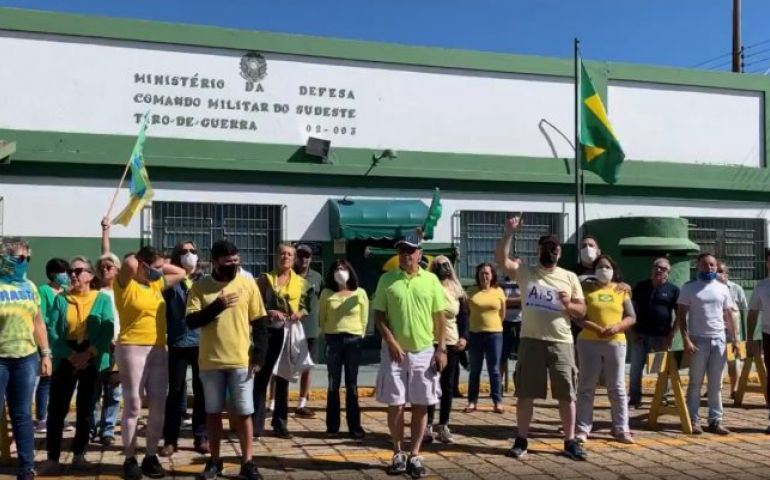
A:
225	306
550	296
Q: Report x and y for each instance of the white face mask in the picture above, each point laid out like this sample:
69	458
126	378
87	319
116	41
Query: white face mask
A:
189	260
604	274
341	277
588	255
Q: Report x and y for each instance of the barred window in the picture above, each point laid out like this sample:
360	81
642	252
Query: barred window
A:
738	242
255	229
480	232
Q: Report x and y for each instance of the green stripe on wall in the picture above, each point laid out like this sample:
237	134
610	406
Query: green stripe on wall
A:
45	248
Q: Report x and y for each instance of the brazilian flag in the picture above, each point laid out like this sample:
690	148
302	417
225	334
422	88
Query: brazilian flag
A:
601	151
140	189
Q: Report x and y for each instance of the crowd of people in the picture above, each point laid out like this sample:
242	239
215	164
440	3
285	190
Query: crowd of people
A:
124	330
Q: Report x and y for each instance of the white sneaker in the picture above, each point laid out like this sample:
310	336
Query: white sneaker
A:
444	435
428	436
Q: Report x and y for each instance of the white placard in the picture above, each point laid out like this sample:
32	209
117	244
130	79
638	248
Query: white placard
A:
543	297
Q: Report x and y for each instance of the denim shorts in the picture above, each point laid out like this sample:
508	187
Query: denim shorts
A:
235	385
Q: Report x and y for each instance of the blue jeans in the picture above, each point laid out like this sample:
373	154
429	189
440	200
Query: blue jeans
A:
343	350
641	345
710	359
17	383
490	346
42	392
106	414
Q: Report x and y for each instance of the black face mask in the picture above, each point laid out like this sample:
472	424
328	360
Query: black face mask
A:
548	259
443	272
227	272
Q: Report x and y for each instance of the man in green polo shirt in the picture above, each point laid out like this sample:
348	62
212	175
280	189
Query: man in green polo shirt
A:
408	306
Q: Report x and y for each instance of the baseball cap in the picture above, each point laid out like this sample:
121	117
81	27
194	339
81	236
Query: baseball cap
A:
551	238
410	239
304	249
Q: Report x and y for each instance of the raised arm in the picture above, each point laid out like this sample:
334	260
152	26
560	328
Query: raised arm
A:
105	235
509	265
173	274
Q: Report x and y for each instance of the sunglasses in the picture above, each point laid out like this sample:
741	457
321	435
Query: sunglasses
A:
189	250
77	271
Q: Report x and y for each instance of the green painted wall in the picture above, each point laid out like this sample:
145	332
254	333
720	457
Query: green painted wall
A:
41	153
45	248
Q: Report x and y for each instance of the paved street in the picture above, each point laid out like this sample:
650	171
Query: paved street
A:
482	439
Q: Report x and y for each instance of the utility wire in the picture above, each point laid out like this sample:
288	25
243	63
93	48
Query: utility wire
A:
711	60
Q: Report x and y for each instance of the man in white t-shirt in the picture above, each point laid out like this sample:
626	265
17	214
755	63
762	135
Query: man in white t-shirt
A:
760	302
707	305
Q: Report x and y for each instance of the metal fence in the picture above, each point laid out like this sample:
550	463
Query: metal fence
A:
480	231
255	229
738	242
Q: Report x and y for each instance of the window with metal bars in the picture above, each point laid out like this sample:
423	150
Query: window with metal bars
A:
255	229
480	232
739	242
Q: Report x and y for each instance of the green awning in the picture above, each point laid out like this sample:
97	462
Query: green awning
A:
375	219
668	244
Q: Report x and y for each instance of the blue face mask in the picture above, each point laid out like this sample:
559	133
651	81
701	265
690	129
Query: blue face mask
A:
707	276
154	274
62	279
13	269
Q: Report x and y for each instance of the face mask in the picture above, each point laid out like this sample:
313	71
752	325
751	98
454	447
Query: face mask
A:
341	277
707	276
13	270
588	255
547	259
189	260
62	279
227	272
443	272
604	275
154	274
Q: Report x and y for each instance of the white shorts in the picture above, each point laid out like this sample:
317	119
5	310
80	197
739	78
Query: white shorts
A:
415	380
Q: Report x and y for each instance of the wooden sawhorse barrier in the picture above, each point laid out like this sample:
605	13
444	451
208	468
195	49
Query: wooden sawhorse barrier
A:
755	360
667	368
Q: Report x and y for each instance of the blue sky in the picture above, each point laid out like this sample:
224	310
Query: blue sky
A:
661	32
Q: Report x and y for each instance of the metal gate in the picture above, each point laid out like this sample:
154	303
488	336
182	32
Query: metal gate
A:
255	229
738	242
480	231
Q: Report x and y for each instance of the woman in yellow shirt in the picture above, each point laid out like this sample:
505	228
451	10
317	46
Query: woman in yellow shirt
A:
141	352
487	311
343	314
601	345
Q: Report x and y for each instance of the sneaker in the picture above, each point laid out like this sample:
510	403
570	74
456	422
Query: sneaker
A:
108	441
304	412
414	467
131	470
167	450
69	428
358	434
519	448
635	404
573	449
28	475
79	462
624	437
201	445
40	426
696	429
398	464
282	433
212	469
249	471
717	428
444	435
427	437
152	467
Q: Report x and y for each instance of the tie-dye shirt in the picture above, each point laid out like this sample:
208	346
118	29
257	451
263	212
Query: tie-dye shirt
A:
19	304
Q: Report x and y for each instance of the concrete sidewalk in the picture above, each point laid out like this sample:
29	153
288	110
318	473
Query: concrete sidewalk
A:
482	438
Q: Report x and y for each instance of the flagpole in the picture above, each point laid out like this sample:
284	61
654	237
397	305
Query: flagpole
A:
117	190
578	172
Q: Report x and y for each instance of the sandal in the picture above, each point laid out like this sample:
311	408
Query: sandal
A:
470	409
498	408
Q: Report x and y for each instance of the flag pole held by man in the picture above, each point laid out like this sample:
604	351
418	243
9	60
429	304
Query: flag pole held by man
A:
139	184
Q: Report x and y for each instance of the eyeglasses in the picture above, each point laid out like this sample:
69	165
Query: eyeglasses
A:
77	271
188	250
106	266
